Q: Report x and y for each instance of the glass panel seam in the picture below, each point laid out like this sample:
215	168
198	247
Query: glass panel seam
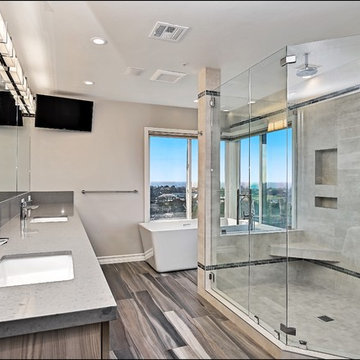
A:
188	181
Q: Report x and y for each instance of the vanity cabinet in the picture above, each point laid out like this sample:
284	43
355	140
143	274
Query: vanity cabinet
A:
81	342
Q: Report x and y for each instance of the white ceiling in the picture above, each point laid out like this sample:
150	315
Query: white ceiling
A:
52	39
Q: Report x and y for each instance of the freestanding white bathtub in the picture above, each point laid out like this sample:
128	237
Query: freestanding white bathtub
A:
170	245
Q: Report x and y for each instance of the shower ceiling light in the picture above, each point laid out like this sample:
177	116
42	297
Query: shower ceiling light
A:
307	70
88	82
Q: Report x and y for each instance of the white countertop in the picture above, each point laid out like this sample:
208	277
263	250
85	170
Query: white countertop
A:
39	307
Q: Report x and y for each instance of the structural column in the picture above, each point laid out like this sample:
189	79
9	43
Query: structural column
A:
209	168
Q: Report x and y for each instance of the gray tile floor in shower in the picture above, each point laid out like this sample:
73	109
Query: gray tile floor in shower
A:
308	299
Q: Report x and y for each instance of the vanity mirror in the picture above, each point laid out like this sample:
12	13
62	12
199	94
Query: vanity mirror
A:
14	149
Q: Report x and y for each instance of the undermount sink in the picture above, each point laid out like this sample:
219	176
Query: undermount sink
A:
47	219
36	268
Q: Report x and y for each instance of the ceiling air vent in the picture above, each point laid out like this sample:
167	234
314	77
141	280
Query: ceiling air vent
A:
167	76
169	32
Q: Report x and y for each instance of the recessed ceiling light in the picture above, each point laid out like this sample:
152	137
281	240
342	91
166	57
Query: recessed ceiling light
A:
88	82
251	102
196	100
98	40
226	110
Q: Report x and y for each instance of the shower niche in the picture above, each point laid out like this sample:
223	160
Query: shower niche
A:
289	144
326	202
326	167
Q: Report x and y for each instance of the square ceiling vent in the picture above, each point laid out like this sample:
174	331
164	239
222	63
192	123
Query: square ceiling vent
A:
167	76
168	32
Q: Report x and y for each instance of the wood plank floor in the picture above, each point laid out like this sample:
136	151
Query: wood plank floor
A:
161	316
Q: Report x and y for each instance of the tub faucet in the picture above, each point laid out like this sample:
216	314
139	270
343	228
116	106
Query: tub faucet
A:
250	208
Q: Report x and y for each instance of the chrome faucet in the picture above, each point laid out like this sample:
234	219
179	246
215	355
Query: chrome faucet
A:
23	210
26	207
245	216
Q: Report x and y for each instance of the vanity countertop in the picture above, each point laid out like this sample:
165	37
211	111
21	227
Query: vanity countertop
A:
40	307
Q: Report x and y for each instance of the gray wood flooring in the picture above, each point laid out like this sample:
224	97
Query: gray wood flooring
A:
161	316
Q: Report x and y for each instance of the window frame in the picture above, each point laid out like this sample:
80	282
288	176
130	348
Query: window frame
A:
152	131
235	150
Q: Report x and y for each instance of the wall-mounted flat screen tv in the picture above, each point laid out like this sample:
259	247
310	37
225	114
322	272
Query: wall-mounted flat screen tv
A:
10	114
55	112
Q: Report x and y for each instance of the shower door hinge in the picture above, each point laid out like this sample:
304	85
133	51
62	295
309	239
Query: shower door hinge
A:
288	330
212	277
289	59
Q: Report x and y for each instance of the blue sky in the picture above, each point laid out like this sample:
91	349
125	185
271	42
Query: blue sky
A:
168	158
275	157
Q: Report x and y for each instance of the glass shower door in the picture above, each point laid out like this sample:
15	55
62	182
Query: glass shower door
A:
249	256
286	249
230	247
268	152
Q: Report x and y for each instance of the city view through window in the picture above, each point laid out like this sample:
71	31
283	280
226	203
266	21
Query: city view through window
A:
168	177
169	157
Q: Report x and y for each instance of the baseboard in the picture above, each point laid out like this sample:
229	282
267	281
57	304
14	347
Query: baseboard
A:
115	259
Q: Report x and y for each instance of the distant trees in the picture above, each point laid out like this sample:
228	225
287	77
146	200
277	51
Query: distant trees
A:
167	201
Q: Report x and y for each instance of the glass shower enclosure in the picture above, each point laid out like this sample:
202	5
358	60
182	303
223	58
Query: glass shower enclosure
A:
285	244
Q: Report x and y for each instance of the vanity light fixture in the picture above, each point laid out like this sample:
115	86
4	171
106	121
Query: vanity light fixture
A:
12	74
98	40
88	82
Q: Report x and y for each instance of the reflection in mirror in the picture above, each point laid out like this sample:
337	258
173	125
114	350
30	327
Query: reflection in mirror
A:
14	148
8	146
23	158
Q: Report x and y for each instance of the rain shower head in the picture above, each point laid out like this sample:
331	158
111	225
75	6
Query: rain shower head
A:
307	71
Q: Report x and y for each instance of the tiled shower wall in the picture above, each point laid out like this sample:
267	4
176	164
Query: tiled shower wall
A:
332	124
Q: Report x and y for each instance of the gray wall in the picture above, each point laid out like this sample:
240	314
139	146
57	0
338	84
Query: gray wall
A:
331	124
111	157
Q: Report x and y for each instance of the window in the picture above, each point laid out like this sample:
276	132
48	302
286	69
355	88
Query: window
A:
173	175
275	180
249	174
222	178
265	171
194	178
